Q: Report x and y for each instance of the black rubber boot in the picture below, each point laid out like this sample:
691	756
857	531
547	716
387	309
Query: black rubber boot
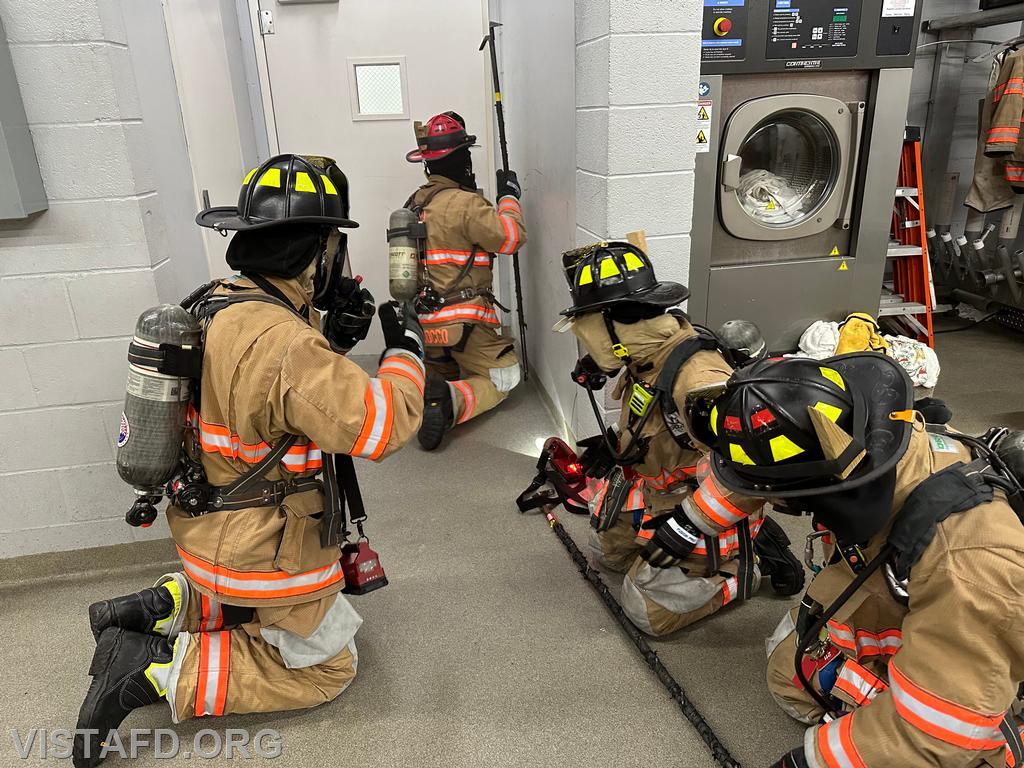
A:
139	611
119	685
776	559
438	414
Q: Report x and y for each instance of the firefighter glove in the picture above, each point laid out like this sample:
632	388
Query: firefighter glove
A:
401	327
675	537
588	375
508	185
595	457
794	759
349	315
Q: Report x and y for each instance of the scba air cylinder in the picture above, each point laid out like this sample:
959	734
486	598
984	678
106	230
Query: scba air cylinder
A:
156	401
403	254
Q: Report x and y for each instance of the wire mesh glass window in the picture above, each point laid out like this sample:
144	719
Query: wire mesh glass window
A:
378	89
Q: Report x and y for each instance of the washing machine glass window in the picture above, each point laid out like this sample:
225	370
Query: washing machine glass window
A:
790	165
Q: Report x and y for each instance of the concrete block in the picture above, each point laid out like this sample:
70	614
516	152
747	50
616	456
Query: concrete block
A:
17	391
592	140
592	201
652	139
51	20
668	72
60	538
592	18
78	371
74	83
139	151
76	236
95	492
592	73
30	500
585	237
154	223
109	303
54	437
85	161
671	257
34	309
661	204
656	16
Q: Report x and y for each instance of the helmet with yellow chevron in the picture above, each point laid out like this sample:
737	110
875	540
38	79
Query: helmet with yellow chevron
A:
286	190
614	273
795	427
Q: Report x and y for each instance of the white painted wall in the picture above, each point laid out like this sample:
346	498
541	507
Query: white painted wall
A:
74	279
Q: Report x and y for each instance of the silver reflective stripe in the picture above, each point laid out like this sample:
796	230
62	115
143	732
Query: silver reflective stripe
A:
227	584
212	621
380	417
953	725
835	743
853	676
214	673
709	500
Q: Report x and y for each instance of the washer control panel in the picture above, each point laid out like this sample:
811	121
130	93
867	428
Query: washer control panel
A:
724	32
811	28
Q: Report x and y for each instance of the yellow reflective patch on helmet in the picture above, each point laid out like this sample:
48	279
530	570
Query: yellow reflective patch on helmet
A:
783	448
609	268
586	275
833	412
633	262
834	377
329	187
714	419
738	455
270	178
249	175
303	183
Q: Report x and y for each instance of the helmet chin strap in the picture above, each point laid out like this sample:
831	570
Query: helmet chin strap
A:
619	349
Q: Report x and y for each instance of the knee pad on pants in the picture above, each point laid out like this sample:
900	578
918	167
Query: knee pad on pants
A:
505	379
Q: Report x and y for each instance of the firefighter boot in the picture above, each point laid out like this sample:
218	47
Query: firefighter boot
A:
129	670
776	559
438	414
155	611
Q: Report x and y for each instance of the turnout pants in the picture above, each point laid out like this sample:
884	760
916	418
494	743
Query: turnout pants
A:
481	370
233	660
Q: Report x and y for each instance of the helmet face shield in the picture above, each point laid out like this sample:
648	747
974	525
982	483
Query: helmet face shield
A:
331	267
700	412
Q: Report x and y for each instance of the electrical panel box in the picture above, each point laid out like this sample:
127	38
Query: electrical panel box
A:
21	186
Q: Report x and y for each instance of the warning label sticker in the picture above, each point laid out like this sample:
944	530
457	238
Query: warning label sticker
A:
843	266
704	108
898	8
702	141
834	251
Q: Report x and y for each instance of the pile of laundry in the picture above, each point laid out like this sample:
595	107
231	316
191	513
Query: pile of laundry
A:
860	332
767	198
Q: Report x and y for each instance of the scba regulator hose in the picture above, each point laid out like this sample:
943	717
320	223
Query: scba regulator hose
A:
675	690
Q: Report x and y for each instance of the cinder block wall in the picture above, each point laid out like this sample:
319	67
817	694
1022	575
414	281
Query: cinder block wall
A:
637	73
73	279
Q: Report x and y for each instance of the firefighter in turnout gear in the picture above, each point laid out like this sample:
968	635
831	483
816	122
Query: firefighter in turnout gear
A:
471	368
688	547
908	648
255	622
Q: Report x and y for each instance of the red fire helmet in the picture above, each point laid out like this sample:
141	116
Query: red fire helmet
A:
440	136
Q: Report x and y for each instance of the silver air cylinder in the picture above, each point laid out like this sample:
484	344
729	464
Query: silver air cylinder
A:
403	255
155	405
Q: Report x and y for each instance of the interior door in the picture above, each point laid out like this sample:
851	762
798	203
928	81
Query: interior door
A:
318	103
788	166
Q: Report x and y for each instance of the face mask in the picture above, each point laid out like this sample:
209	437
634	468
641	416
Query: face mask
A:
330	268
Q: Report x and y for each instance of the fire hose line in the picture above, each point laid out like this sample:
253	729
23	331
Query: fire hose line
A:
675	690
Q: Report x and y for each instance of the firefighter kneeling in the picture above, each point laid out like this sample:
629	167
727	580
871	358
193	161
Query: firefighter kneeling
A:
255	622
688	546
908	648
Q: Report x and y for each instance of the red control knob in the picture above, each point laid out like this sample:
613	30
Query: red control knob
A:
723	26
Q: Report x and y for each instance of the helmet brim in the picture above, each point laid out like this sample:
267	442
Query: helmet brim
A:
886	388
420	156
665	294
226	218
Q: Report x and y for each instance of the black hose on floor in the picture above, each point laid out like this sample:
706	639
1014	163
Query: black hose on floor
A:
675	690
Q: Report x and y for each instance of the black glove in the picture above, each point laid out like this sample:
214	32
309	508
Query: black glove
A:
935	411
508	185
675	537
794	759
588	375
349	315
595	458
401	327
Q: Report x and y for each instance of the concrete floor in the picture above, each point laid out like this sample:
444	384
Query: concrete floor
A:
487	648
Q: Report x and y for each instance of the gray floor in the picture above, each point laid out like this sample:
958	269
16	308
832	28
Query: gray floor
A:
487	648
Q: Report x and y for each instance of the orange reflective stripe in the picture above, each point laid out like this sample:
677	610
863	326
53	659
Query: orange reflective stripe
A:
835	740
459	313
730	587
214	666
715	506
511	244
645	533
212	618
222	580
863	643
665	480
406	366
728	541
858	683
468	400
378	402
216	438
458	258
942	719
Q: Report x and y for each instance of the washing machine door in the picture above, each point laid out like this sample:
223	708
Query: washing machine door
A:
788	166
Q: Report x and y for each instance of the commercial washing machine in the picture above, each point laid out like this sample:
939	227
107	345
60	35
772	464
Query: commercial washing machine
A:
800	122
